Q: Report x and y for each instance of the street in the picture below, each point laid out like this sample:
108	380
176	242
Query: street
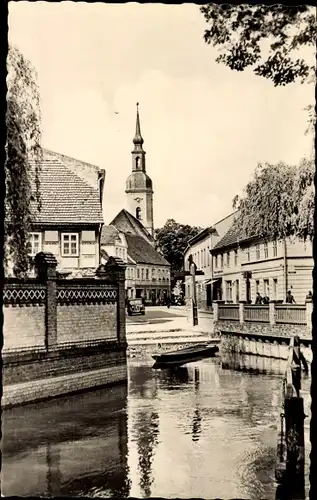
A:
157	315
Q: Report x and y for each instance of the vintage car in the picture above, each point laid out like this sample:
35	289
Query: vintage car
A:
135	306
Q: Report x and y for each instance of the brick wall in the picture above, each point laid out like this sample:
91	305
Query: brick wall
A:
23	327
80	322
35	366
51	387
79	326
262	328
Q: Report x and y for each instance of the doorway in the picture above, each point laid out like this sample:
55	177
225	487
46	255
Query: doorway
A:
208	297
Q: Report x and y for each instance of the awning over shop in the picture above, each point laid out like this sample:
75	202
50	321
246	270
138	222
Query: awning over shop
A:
214	280
210	281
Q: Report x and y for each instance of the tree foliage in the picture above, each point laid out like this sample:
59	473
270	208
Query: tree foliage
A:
171	242
243	32
278	202
23	157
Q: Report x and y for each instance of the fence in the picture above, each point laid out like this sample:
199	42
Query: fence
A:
280	314
257	313
290	462
45	312
229	312
290	314
55	328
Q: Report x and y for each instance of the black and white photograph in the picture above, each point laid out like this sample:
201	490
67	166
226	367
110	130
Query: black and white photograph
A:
158	250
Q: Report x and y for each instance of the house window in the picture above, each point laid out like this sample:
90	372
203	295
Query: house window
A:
153	273
257	287
221	260
274	248
248	254
236	257
132	273
138	273
138	213
228	259
147	274
257	252
208	257
275	288
228	290
266	287
70	244
216	261
266	250
237	291
142	273
34	243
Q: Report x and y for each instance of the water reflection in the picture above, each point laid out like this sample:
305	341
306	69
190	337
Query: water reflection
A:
172	378
69	446
250	363
197	431
146	429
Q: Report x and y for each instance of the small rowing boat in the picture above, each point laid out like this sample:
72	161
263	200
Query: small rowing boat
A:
186	355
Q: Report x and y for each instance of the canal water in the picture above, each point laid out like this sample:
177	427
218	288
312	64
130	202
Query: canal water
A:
198	431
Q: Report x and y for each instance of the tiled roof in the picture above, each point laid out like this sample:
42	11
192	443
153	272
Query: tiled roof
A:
66	197
134	223
68	161
143	252
109	235
232	237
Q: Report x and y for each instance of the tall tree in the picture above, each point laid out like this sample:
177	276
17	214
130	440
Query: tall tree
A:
264	37
278	202
171	241
23	157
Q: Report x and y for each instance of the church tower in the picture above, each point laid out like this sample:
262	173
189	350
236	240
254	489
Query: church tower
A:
139	188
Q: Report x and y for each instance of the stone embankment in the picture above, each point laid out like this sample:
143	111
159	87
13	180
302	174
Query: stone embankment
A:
157	337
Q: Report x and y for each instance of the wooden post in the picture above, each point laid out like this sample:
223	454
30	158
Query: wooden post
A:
194	294
294	420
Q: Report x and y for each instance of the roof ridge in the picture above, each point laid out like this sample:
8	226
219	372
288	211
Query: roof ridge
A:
50	151
60	163
134	219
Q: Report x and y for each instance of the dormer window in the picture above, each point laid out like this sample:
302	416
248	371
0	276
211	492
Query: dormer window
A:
138	213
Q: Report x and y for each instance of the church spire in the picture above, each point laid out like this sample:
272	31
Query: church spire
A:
138	140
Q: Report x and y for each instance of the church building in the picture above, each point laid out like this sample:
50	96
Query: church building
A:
139	188
130	235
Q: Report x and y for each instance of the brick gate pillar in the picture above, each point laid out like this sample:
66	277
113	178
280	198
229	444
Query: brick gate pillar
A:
45	265
114	271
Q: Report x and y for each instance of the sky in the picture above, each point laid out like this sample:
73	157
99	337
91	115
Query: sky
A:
205	127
